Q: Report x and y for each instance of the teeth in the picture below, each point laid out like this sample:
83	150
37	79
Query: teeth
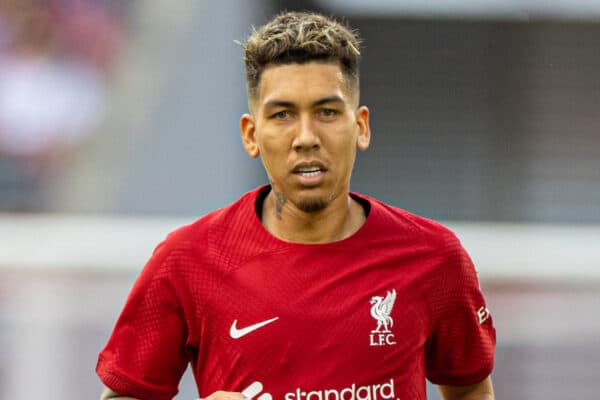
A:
315	173
305	170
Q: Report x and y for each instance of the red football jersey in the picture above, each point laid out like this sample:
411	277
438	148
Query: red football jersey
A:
367	317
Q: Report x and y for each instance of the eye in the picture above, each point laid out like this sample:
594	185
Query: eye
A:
284	114
328	112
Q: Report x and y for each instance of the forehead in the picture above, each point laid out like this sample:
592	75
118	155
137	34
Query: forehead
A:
302	82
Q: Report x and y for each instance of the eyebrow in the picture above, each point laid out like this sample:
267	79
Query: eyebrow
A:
289	104
330	99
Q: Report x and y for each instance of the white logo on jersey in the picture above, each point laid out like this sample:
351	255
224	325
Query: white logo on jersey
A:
254	389
236	333
483	314
381	308
382	391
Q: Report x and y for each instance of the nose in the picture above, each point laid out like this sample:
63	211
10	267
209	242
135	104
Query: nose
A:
306	137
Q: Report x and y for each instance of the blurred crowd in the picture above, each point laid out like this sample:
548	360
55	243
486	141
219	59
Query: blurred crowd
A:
56	58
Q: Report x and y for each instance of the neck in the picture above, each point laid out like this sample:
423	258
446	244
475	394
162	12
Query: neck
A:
339	220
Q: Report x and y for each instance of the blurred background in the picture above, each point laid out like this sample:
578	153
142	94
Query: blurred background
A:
119	122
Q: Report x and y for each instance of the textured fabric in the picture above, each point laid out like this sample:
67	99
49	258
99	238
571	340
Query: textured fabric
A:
366	317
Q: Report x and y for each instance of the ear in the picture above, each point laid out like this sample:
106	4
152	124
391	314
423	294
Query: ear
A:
247	129
364	129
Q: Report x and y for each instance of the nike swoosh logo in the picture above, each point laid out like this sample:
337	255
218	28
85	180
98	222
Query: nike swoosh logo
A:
236	333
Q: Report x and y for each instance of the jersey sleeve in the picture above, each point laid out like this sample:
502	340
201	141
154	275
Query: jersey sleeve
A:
460	349
145	356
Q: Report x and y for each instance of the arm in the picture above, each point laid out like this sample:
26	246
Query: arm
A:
479	391
146	354
107	393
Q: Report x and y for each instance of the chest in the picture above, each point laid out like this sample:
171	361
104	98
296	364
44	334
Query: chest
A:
316	319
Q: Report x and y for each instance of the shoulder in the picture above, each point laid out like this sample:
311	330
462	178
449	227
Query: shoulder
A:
432	249
216	234
406	225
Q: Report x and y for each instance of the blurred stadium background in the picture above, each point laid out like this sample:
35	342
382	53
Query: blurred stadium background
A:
119	122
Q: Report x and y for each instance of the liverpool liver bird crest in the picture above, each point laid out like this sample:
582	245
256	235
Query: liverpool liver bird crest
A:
381	309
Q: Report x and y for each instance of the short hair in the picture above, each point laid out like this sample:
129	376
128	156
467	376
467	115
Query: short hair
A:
301	37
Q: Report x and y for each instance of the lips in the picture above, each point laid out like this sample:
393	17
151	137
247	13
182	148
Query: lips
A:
310	174
309	169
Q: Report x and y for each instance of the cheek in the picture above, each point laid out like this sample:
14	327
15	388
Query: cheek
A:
269	153
345	149
348	158
273	156
272	140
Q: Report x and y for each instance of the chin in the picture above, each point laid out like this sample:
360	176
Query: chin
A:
312	204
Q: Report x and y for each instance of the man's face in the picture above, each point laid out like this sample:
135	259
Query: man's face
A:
306	128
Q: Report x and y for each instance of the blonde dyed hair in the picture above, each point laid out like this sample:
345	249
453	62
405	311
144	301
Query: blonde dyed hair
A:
301	37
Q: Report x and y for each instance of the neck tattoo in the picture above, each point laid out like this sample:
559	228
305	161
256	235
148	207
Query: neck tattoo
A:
280	201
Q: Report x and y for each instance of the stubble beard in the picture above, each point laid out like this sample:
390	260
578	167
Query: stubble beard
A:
309	205
312	205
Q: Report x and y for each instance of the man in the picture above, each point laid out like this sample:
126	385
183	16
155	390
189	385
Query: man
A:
302	290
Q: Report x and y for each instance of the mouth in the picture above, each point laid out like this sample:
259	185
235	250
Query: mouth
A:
310	174
309	170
